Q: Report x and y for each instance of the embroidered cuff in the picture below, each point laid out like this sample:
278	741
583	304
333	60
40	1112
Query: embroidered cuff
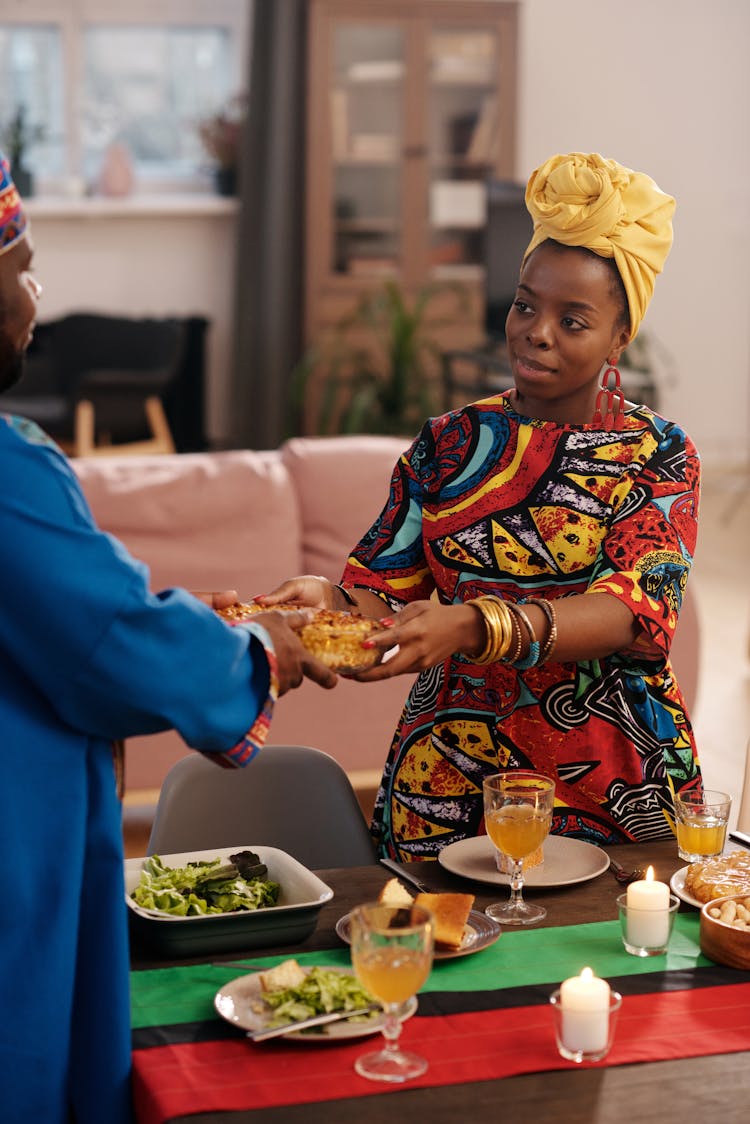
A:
253	741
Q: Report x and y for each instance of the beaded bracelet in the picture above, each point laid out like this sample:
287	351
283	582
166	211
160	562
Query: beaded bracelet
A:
525	618
519	618
549	611
515	654
531	660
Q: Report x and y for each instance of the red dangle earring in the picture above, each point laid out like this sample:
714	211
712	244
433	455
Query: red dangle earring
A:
609	412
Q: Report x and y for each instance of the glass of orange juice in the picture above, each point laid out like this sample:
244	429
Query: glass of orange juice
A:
517	817
392	951
701	819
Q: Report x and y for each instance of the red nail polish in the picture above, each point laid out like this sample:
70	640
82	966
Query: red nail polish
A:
387	622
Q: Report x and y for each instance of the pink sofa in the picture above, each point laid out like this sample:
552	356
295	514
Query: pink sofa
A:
244	520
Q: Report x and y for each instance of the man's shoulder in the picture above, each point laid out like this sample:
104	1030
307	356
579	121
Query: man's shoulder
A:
26	430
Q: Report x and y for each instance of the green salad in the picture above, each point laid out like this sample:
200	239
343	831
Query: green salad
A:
323	990
206	887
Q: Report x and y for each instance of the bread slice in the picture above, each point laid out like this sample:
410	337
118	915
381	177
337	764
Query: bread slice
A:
451	912
284	975
394	893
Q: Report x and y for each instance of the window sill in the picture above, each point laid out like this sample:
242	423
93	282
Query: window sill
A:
130	206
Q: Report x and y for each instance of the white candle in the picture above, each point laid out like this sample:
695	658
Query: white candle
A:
584	1001
648	912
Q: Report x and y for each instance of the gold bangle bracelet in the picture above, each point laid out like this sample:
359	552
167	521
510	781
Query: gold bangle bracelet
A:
494	632
504	618
499	628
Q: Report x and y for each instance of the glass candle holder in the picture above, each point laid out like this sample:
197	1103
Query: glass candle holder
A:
646	932
584	1036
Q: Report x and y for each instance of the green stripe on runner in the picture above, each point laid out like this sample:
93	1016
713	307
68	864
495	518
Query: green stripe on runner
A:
167	996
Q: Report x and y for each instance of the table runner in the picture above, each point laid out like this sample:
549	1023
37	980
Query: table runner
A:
480	1017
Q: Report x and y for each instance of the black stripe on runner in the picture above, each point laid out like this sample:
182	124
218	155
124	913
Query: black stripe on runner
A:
435	1003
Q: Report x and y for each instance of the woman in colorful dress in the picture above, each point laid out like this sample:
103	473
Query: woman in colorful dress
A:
534	551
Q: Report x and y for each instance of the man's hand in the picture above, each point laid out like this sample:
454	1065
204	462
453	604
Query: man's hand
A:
294	661
217	600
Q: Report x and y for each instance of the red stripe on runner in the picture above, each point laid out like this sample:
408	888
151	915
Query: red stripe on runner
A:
232	1075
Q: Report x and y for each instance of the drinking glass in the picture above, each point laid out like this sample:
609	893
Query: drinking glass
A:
391	951
518	816
701	823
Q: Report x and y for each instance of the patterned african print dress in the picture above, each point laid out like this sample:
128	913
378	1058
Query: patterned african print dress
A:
487	501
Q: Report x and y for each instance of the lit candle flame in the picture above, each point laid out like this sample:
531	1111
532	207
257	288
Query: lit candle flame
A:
587	974
649	875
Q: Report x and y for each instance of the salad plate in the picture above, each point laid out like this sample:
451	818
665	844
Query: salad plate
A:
480	932
294	917
240	1002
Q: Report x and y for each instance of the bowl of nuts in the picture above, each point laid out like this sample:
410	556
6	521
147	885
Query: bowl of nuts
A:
725	931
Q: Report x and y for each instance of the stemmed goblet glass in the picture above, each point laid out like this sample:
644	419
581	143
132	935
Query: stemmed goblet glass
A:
518	816
391	951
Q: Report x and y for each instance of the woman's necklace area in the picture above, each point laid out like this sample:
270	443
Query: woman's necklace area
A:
516	402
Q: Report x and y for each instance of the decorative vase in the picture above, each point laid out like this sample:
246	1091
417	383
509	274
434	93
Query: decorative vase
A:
117	177
24	181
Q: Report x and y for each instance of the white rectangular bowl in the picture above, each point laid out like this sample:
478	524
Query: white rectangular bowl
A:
292	920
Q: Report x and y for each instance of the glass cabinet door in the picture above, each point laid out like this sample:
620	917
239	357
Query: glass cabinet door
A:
366	116
464	144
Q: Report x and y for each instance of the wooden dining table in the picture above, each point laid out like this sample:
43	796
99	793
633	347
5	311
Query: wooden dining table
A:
710	1086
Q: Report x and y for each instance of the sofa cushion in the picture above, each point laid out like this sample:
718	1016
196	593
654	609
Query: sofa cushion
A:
342	485
205	521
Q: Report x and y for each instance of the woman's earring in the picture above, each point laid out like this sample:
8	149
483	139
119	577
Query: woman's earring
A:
609	412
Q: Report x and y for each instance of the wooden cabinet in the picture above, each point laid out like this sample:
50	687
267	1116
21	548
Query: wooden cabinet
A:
411	107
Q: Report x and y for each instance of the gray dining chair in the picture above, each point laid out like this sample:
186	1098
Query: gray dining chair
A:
293	797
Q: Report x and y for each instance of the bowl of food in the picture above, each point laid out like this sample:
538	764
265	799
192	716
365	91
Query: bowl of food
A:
725	931
332	636
221	900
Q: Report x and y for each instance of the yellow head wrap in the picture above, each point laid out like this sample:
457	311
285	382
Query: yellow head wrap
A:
585	200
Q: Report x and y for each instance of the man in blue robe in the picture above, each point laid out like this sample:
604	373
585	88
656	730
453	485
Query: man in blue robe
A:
89	656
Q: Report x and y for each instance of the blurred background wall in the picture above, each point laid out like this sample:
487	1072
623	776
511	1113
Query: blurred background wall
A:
661	85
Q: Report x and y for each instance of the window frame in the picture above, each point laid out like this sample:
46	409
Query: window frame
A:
72	18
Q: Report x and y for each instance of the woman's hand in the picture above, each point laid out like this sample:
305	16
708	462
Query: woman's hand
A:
294	662
307	590
425	633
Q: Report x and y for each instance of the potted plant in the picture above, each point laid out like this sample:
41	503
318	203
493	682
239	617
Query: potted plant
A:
221	136
377	372
18	136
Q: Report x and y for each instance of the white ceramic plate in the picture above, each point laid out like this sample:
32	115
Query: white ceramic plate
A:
566	861
290	921
480	932
677	883
240	1002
